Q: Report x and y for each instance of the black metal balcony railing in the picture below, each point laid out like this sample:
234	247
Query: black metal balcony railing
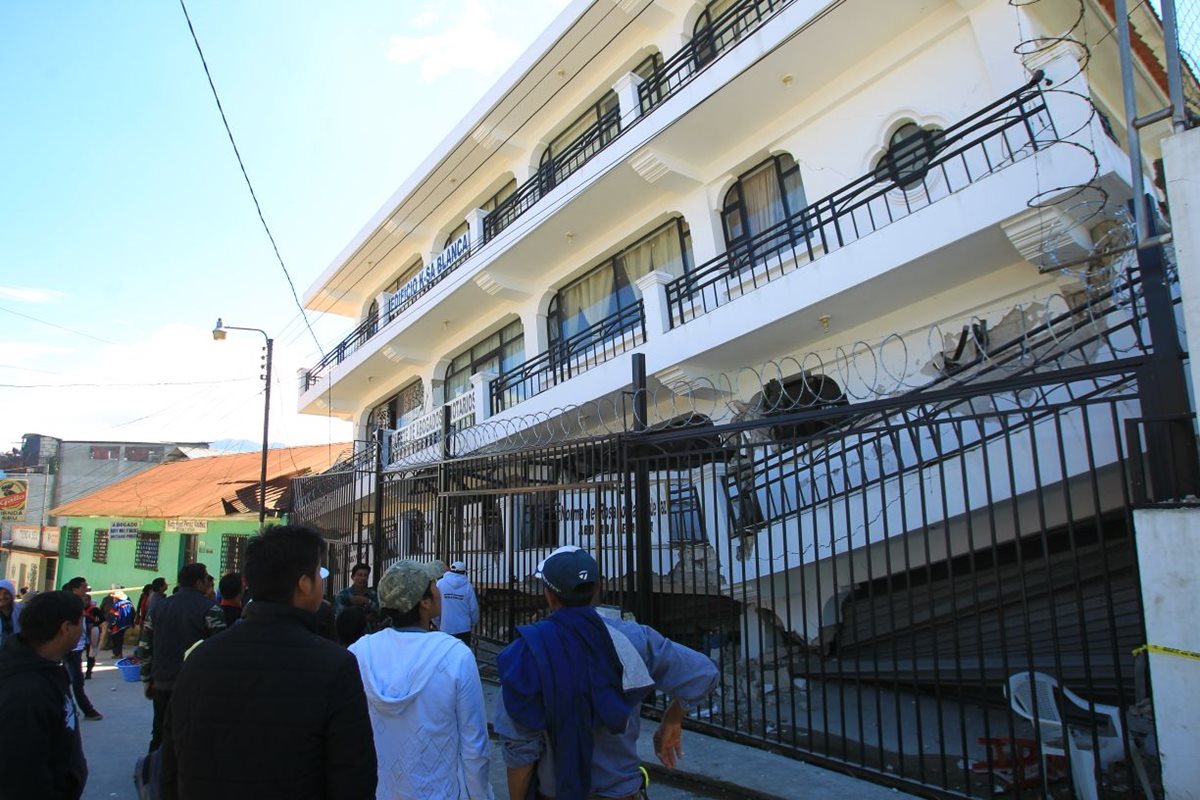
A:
372	325
998	135
572	356
553	172
736	23
356	339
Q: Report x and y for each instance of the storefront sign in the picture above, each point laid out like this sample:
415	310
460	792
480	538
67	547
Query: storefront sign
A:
446	259
27	536
14	494
34	537
187	525
123	530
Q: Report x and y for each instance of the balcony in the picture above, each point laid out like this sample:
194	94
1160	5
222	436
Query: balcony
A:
738	21
606	339
693	59
391	305
998	135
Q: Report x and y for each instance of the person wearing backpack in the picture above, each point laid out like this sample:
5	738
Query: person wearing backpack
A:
120	619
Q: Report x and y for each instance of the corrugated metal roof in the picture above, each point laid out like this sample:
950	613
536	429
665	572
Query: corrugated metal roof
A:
205	487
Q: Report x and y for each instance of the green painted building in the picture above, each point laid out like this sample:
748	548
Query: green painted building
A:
152	523
131	552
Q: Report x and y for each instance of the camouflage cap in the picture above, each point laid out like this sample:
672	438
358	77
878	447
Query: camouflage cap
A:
405	582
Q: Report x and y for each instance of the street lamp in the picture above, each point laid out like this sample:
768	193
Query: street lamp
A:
219	336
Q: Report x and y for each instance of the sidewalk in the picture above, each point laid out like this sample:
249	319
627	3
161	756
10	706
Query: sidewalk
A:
711	767
744	772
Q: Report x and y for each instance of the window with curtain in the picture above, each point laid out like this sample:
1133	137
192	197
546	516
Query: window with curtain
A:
499	197
609	287
458	231
568	141
711	32
405	275
498	353
762	198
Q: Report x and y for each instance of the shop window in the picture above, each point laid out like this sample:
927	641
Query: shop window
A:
145	553
100	547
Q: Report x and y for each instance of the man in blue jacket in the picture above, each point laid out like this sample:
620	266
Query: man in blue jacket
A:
572	686
42	754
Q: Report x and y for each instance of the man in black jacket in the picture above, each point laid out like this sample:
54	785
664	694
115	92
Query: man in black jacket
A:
299	696
173	626
42	754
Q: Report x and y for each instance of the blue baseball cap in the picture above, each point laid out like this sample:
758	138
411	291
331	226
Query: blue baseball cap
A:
570	572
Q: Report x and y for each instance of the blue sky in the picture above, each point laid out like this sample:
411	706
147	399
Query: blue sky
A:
124	216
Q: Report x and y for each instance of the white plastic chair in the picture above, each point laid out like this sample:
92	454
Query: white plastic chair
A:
1026	687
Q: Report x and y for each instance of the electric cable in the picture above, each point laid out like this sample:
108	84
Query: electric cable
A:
246	176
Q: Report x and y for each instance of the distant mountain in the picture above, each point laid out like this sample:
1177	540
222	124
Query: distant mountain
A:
240	445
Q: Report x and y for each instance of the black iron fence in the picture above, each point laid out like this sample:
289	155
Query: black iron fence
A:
566	358
998	135
901	588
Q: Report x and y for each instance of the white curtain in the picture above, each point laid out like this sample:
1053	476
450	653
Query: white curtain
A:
658	252
588	301
761	199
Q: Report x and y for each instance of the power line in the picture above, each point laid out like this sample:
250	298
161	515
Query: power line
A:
245	175
56	325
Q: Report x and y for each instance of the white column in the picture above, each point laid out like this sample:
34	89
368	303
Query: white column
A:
481	386
708	241
1168	548
1181	160
626	88
475	225
536	338
653	286
381	302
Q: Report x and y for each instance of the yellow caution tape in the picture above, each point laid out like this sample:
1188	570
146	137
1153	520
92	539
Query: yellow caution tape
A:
1167	651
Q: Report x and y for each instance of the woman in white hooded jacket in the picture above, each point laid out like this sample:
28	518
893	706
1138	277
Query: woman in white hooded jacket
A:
424	696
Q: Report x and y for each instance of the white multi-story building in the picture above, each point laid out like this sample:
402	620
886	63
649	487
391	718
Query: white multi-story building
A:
781	204
698	182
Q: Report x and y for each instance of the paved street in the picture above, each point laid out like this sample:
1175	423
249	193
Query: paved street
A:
113	744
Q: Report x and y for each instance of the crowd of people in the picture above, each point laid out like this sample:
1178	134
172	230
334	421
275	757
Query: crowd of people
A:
257	693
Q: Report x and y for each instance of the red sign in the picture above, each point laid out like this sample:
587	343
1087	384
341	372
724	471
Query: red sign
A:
13	496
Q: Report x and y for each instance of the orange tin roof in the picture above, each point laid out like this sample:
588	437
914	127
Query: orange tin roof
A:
205	487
